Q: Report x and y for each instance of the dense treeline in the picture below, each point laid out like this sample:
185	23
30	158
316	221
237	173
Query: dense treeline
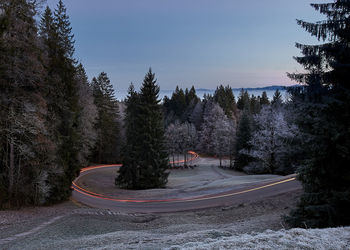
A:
257	134
51	116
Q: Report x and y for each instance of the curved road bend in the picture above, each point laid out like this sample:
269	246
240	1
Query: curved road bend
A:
257	191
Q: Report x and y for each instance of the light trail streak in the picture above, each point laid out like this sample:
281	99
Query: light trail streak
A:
81	190
85	192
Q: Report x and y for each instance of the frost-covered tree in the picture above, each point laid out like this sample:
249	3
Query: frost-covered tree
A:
196	116
224	138
271	140
186	138
87	118
26	148
171	140
216	132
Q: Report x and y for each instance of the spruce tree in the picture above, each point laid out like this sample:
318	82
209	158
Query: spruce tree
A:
255	106
225	98
243	100
62	97
178	102
323	108
244	134
64	31
128	174
147	146
191	97
107	123
264	100
277	98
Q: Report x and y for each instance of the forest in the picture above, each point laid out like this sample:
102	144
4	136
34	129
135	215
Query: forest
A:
55	121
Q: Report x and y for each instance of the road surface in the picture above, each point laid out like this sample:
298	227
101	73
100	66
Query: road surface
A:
235	196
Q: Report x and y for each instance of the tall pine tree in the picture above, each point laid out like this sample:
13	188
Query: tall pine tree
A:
107	148
264	100
129	173
145	153
244	134
63	98
324	119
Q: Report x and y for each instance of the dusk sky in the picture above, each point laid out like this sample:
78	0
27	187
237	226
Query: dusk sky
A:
190	42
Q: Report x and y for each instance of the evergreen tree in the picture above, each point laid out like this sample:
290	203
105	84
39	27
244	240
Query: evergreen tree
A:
107	123
191	101
244	135
254	105
178	101
64	31
63	98
191	97
225	98
148	146
243	100
128	175
180	106
323	118
47	26
277	98
264	100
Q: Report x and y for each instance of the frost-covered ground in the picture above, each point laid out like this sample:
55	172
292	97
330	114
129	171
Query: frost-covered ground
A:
254	225
206	178
331	238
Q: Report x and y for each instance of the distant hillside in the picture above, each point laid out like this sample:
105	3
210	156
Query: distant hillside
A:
267	88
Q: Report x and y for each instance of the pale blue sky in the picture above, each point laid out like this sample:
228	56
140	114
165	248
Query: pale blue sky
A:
243	43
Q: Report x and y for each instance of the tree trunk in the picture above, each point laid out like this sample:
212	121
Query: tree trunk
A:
11	168
18	176
231	161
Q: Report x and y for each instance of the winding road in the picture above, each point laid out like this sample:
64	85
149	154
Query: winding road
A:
235	196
